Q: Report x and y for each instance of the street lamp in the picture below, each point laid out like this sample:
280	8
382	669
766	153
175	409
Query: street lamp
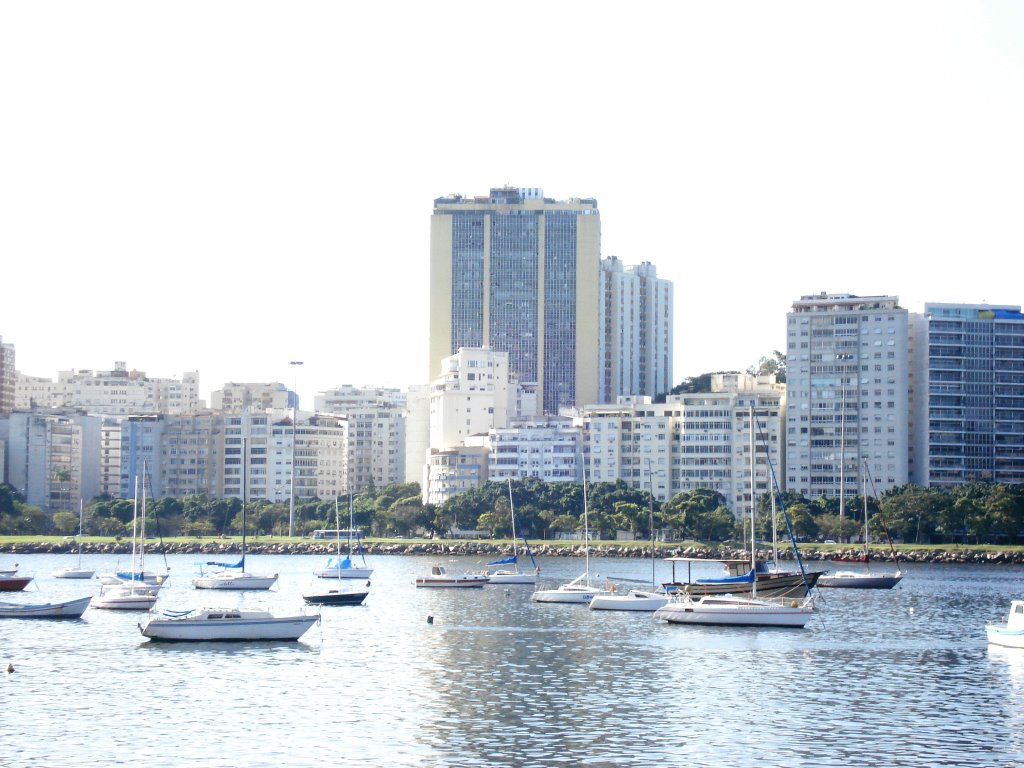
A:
291	484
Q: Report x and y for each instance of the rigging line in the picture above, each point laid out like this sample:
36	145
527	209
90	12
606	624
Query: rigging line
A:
156	517
881	517
782	503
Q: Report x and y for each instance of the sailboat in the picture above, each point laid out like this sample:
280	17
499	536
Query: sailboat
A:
233	575
580	589
131	593
636	599
338	568
739	610
138	575
863	579
339	595
513	575
76	571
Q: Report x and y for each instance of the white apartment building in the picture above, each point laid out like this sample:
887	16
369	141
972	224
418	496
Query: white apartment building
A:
8	378
346	398
455	470
692	441
543	447
119	392
474	394
848	383
236	397
110	456
636	325
52	456
316	446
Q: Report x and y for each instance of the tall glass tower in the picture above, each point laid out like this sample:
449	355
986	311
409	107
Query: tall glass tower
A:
519	273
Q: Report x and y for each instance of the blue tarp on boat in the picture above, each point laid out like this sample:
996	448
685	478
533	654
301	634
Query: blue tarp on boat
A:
506	561
746	578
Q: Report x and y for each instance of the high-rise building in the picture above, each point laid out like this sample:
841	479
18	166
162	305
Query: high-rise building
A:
969	399
8	377
519	273
53	456
236	397
636	331
847	377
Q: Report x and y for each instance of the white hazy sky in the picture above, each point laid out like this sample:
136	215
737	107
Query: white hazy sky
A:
227	186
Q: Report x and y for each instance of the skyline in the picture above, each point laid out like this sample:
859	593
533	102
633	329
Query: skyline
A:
232	175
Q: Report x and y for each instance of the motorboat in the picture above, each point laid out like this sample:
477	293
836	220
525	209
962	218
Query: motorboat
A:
736	610
126	597
228	625
439	577
1010	634
633	600
69	609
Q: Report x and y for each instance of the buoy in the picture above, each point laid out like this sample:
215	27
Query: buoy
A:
430	619
9	668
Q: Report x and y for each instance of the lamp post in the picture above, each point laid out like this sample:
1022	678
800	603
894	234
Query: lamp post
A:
291	483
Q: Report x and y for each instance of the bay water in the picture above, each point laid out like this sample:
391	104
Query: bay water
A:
485	677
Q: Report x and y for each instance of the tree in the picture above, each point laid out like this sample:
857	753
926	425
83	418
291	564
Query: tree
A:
66	523
776	364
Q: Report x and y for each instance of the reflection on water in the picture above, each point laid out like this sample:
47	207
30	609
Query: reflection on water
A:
894	678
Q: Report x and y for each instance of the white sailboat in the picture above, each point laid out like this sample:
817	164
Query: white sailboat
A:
76	571
345	568
740	610
512	575
233	575
131	594
636	599
580	589
226	625
865	579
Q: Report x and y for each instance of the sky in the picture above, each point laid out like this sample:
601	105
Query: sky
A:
230	186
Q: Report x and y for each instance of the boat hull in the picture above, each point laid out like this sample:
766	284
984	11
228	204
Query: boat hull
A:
452	583
634	600
510	577
567	595
344	573
336	597
227	630
236	581
73	573
14	583
1000	634
71	609
768	585
860	581
735	611
126	599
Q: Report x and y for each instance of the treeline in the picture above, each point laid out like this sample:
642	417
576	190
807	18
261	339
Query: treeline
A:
975	513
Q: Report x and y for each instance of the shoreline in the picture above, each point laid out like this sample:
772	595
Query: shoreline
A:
471	549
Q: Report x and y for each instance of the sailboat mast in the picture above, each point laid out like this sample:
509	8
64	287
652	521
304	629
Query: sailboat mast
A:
753	538
337	535
245	460
135	523
81	518
586	522
512	511
142	541
842	452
